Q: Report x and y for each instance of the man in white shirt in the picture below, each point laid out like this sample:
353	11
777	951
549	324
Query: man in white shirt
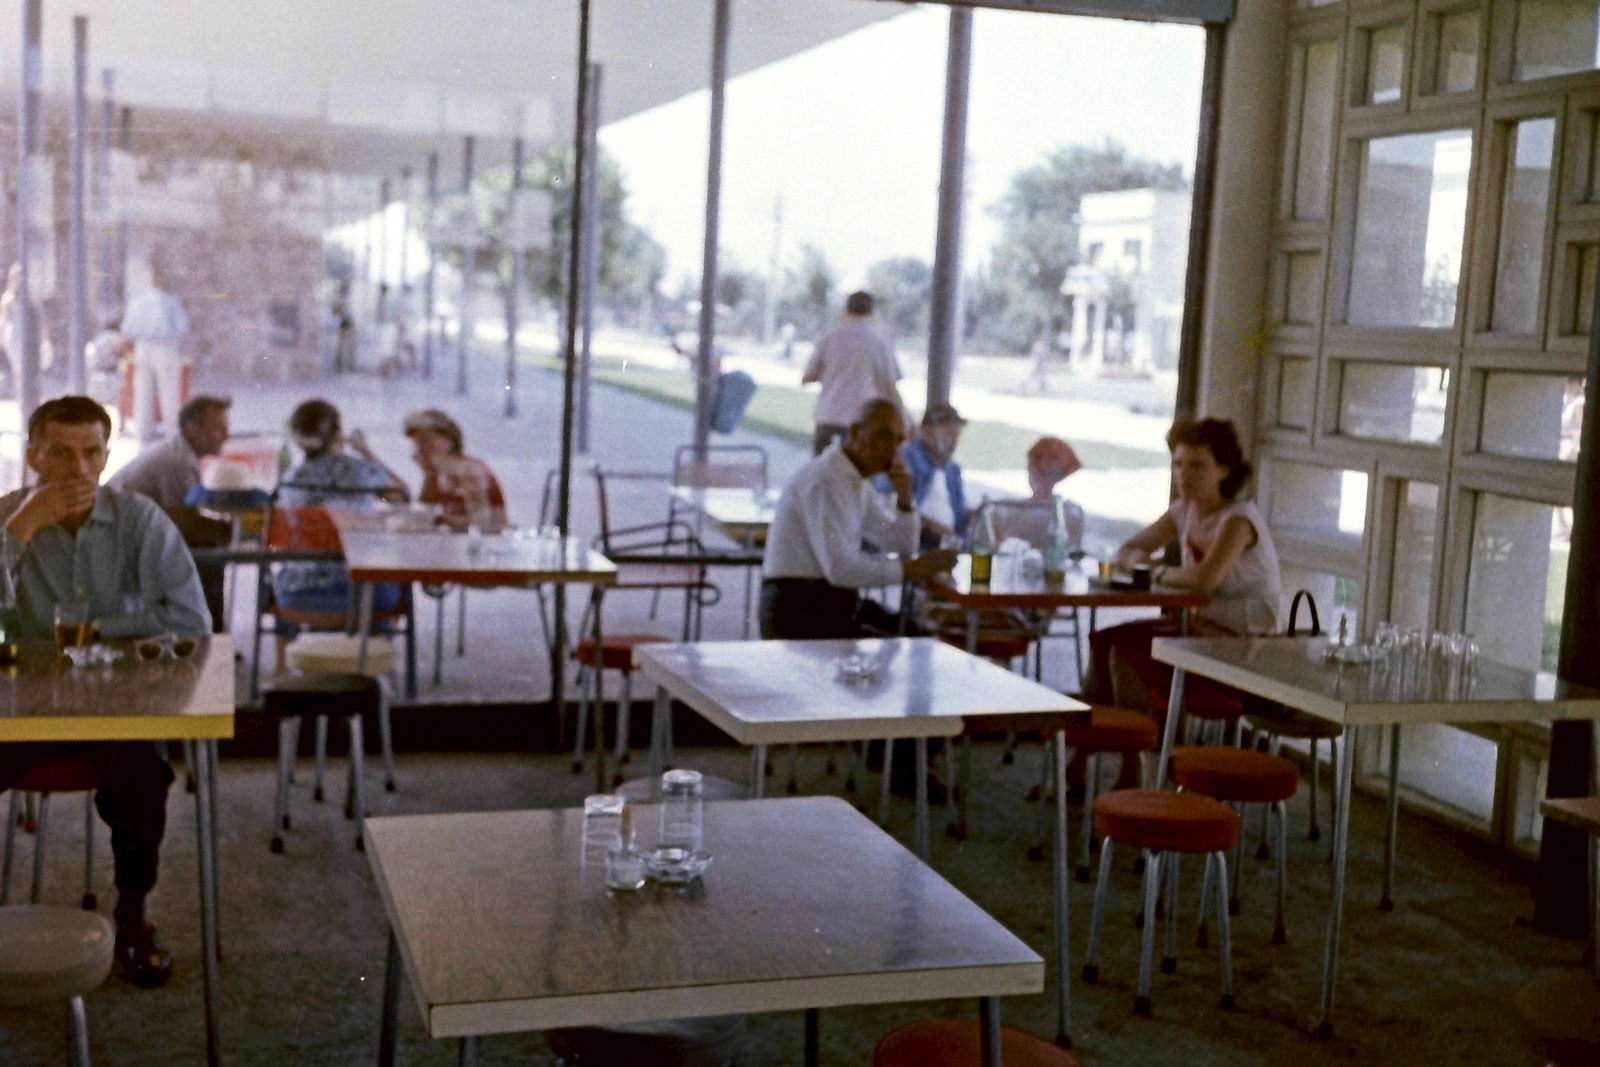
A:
854	364
155	321
814	565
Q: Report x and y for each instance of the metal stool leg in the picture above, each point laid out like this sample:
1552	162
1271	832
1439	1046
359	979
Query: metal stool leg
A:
358	767
1224	932
1091	789
583	719
624	721
1314	832
1202	936
1091	966
888	772
1169	958
461	623
467	1052
89	901
438	641
1279	934
386	740
852	762
1392	830
78	1032
1041	814
1238	867
321	758
1147	950
11	846
38	849
794	770
280	809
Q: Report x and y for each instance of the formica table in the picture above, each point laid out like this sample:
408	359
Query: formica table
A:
773	692
743	515
44	698
485	562
498	926
1293	672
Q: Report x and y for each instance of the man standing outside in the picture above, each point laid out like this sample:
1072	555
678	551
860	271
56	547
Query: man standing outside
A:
814	566
118	554
854	364
155	321
167	474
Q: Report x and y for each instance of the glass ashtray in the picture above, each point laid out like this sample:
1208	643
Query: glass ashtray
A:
93	655
675	866
855	670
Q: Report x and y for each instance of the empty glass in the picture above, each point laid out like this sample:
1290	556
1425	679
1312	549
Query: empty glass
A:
682	810
606	826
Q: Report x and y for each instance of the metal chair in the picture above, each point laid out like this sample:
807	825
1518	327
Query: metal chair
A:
298	697
657	556
49	776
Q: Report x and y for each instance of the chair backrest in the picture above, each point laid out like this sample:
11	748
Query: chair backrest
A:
307	529
725	467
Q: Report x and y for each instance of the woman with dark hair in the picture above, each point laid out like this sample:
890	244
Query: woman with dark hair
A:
1226	551
463	486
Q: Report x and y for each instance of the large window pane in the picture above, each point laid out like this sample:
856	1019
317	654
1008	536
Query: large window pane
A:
1324	505
1319	99
1516	586
1296	386
1411	587
1535	416
1411	214
1555	37
1386	63
1393	402
1457	62
1447	764
1525	197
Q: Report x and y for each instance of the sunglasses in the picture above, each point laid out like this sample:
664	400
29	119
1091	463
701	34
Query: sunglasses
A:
169	646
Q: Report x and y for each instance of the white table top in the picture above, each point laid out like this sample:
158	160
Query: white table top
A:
777	692
739	511
807	904
45	698
384	556
1292	671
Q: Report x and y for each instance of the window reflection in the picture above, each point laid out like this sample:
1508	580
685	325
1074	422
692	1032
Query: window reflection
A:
1532	416
1457	64
1325	505
1394	402
1525	196
1411	214
1386	61
1555	37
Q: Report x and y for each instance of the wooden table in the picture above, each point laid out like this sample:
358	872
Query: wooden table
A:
1292	671
773	692
44	698
499	926
483	563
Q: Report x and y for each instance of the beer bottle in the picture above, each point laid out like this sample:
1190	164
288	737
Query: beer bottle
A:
983	545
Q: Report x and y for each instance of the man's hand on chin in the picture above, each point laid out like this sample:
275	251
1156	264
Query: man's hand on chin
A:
50	503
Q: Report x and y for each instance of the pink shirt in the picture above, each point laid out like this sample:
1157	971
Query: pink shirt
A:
1250	598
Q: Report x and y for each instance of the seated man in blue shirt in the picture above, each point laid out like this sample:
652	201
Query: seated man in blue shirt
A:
936	478
119	554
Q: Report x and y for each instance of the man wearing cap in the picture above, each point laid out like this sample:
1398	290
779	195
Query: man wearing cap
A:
854	364
936	485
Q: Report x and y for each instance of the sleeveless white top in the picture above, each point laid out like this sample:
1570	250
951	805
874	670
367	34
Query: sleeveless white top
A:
1250	598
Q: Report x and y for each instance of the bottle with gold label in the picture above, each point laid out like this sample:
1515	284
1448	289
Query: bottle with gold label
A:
983	544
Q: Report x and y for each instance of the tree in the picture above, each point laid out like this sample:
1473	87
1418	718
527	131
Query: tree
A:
807	297
902	287
1017	303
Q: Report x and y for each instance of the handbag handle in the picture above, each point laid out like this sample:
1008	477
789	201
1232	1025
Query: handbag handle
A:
1294	611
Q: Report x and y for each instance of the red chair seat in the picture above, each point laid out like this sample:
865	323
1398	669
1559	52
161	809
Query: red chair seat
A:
617	649
1235	774
1165	821
1114	729
990	645
58	774
954	1043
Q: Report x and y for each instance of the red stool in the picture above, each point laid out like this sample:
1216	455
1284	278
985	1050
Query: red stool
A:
1241	776
63	774
1167	825
1110	729
616	654
955	1043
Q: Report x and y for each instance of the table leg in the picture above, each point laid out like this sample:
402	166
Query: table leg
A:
989	1031
1063	952
923	817
888	773
758	772
204	841
391	1002
216	847
965	784
972	631
467	1053
813	1038
365	625
602	781
1169	736
1391	838
1341	839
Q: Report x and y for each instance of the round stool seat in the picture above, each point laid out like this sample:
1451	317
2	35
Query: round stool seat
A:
58	774
1114	729
955	1043
322	694
648	790
1235	774
714	1041
1164	821
617	649
50	954
314	653
1561	1012
990	645
1296	724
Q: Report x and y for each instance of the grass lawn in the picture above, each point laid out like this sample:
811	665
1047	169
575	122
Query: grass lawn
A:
785	412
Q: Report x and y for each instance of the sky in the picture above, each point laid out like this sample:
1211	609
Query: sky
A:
848	134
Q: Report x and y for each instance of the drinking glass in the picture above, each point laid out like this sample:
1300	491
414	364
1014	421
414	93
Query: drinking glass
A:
72	626
682	810
1412	674
606	826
